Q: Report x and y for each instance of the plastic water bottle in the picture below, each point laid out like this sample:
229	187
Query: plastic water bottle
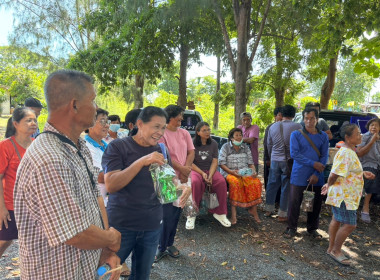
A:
103	270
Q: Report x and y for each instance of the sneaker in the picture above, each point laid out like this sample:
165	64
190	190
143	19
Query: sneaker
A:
289	233
190	223
223	220
365	217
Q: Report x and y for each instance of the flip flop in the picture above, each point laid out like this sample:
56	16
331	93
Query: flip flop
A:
340	259
160	255
173	252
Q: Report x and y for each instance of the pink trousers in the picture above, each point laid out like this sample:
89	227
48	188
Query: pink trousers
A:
219	186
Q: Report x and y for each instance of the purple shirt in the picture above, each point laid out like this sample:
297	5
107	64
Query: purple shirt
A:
252	131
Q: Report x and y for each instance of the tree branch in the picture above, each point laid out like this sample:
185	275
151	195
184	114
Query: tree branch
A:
258	38
257	18
279	36
236	11
263	83
226	38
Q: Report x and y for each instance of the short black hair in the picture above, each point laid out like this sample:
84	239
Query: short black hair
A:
114	118
277	110
173	111
347	130
313	104
197	139
288	111
71	83
101	111
149	112
308	110
232	131
131	116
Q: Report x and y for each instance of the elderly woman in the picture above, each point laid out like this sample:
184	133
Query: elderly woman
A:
369	151
204	173
97	146
181	150
245	189
344	190
18	133
133	207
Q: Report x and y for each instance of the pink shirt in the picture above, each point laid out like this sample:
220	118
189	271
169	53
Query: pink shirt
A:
252	131
178	143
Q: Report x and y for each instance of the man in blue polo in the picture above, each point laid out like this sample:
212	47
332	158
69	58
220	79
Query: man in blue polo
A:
309	149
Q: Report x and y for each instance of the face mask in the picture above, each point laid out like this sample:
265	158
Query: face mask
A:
114	127
237	143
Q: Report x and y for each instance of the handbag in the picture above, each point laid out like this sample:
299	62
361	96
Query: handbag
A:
289	161
308	199
210	198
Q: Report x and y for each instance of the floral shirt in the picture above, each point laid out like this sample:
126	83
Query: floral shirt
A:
349	185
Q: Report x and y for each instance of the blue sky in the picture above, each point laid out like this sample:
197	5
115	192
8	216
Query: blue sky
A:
6	21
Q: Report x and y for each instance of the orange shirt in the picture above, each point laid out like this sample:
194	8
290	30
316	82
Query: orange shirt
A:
9	162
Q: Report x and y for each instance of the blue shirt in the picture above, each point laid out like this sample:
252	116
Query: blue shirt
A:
35	134
304	156
96	144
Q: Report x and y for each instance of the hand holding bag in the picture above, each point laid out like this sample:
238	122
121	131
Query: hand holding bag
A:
164	178
308	199
210	198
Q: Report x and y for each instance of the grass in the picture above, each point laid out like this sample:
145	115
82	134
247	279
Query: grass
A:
3	125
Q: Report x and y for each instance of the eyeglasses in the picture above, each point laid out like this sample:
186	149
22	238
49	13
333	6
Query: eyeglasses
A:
205	130
103	122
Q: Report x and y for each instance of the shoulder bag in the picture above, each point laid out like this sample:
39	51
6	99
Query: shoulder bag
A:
289	161
14	145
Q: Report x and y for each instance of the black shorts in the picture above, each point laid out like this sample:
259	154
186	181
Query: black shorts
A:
11	232
372	186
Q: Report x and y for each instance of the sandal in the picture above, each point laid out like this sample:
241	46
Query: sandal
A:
289	233
172	251
159	255
268	214
125	271
365	217
190	223
315	234
340	259
223	220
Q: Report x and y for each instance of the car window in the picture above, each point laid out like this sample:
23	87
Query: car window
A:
189	121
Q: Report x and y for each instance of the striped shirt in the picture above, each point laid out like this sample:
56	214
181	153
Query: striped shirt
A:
233	159
54	200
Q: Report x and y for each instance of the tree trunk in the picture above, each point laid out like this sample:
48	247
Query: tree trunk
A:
279	94
241	74
184	59
138	98
240	69
217	98
329	84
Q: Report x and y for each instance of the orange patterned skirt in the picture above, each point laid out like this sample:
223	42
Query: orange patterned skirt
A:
244	191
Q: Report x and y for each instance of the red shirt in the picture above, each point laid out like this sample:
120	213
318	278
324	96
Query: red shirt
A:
9	162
